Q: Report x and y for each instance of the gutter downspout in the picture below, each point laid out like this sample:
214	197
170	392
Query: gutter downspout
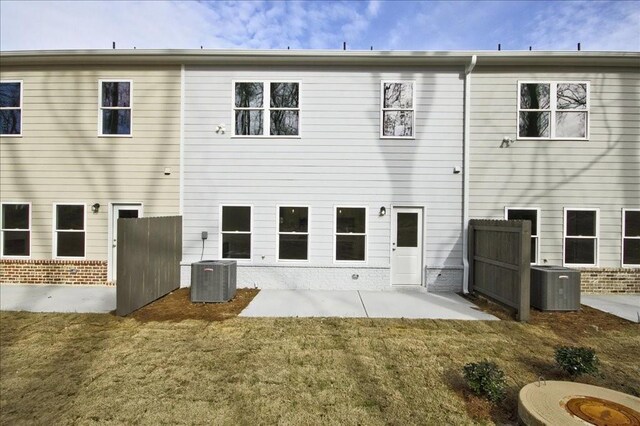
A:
466	146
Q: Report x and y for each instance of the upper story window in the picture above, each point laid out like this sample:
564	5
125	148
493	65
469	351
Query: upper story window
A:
397	115
531	214
293	233
69	230
16	230
553	110
351	234
10	108
581	227
271	112
631	237
235	232
115	108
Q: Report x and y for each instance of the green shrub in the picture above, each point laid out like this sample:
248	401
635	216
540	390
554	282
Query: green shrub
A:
485	379
577	360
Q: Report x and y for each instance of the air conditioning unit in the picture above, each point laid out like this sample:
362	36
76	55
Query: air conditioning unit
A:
555	288
213	280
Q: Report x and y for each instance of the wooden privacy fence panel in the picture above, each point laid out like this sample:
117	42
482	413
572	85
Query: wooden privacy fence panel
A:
149	253
499	262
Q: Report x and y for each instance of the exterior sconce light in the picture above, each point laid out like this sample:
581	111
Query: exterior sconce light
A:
383	211
506	142
95	208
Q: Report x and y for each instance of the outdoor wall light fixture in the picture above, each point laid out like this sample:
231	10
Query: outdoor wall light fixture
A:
383	211
506	142
95	208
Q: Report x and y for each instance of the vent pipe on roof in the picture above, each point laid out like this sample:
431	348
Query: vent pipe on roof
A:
499	47
344	45
114	44
529	47
578	47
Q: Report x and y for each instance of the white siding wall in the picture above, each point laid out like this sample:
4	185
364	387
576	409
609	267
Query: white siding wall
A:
339	159
59	158
603	172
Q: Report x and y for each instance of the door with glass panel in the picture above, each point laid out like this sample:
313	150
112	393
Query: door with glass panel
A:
120	211
406	246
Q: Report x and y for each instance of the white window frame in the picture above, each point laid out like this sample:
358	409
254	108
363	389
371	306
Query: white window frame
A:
383	109
55	231
627	265
596	237
2	230
101	108
553	109
220	232
278	233
366	234
537	235
266	108
20	108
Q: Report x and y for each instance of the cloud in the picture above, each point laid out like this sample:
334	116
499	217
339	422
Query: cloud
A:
386	25
555	25
28	25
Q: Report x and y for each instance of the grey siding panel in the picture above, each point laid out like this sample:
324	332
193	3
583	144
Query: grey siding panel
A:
339	159
602	172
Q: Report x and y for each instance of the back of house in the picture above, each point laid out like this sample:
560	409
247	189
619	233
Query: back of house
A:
558	142
320	169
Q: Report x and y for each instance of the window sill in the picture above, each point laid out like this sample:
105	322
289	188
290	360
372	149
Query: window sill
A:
553	139
579	265
69	258
265	137
116	136
11	136
409	138
16	257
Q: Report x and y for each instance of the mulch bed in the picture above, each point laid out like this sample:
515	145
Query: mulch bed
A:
176	306
585	320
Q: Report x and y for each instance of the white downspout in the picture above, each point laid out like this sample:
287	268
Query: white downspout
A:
466	146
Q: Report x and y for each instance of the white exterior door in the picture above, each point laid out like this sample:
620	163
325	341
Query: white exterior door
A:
406	246
119	211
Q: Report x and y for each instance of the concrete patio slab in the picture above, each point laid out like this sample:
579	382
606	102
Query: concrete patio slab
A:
362	304
305	303
57	298
415	304
625	306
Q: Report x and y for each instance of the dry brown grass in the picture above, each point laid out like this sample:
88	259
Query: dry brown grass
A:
74	368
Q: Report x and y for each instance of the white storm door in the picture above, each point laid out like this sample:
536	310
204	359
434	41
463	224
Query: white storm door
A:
119	211
406	246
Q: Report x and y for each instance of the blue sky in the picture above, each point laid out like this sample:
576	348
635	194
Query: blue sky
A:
385	25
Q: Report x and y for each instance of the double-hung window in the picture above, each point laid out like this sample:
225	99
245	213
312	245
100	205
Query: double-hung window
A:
397	115
293	233
581	227
553	110
69	230
115	108
263	108
631	237
533	215
16	230
10	108
351	234
235	230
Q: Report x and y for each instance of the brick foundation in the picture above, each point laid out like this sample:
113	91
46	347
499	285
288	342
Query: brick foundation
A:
78	272
610	281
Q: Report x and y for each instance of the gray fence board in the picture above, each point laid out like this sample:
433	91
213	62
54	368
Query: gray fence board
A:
149	254
499	262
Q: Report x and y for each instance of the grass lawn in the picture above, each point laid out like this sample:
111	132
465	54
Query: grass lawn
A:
79	368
